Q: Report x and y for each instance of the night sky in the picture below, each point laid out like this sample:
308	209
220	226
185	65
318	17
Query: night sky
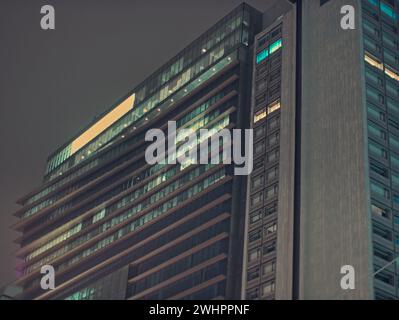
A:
53	83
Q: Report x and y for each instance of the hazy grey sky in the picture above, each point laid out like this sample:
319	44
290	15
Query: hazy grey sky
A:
52	83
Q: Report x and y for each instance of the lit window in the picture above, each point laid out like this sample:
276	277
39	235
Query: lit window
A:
271	229
373	62
260	115
273	107
262	56
392	74
379	211
388	10
275	46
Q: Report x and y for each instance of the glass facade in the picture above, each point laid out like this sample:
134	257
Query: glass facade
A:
164	84
103	208
381	46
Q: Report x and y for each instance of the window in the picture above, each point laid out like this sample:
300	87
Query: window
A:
257	199
254	255
260	115
255	216
272	191
272	155
377	210
261	85
395	180
375	113
257	181
374	78
371	28
273	139
271	210
377	150
259	131
268	268
394	142
389	40
253	274
270	229
268	288
273	107
274	123
262	41
259	147
371	45
383	253
379	169
275	46
269	248
272	174
262	55
388	10
392	74
382	232
380	190
259	164
372	61
253	294
385	277
254	235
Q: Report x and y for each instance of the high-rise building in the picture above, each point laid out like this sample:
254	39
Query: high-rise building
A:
349	149
323	103
331	198
114	226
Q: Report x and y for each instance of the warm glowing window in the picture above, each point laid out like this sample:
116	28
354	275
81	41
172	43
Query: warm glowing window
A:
273	107
392	74
373	62
260	115
104	123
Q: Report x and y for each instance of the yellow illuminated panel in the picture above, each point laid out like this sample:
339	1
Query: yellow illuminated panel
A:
104	123
273	107
260	115
392	74
373	62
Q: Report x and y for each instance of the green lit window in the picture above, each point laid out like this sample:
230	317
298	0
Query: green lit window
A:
84	294
266	52
388	10
262	55
275	46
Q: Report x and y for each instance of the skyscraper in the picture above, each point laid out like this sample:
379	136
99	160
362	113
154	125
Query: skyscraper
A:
322	102
115	227
348	149
334	200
